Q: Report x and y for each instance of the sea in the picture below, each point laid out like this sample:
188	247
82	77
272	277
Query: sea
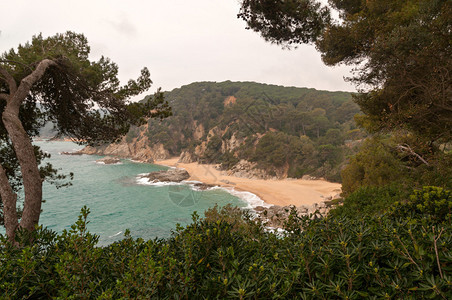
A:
119	198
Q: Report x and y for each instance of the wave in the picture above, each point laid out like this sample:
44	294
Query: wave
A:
249	198
145	181
102	163
115	234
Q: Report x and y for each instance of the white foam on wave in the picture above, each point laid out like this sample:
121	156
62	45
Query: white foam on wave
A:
102	163
136	161
115	234
145	181
253	200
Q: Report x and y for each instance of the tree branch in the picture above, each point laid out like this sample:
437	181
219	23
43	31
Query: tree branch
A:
9	199
27	82
407	148
435	240
9	80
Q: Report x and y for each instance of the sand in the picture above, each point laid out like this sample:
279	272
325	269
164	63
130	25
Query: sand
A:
282	192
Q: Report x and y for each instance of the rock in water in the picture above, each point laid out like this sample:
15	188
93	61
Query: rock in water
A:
108	160
71	153
204	186
171	175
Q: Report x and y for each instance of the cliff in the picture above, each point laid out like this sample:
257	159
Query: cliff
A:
137	149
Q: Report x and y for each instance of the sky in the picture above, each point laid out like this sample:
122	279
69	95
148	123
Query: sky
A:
179	41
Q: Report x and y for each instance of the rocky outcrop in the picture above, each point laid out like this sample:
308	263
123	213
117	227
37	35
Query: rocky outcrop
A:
275	216
198	131
204	186
232	143
108	160
186	157
308	177
70	153
229	101
246	169
171	175
138	149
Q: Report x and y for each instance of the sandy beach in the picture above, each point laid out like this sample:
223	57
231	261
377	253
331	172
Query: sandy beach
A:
283	192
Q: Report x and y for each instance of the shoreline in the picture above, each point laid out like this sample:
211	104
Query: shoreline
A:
281	192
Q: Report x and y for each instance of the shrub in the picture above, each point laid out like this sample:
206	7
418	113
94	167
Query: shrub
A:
227	255
432	205
369	200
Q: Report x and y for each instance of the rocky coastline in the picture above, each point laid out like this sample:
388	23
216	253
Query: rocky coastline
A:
274	216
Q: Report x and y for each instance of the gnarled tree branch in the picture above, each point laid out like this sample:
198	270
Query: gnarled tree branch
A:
27	82
407	148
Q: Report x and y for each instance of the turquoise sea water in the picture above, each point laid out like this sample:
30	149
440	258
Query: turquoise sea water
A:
117	200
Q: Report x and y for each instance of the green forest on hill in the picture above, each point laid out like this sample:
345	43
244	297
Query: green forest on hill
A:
302	130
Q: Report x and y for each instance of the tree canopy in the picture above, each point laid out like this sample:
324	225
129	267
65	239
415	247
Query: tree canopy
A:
401	50
53	79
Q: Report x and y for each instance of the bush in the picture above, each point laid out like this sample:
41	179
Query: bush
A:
432	205
227	255
376	164
369	200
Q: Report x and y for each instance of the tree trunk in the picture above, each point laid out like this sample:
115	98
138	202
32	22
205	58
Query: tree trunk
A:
24	152
29	169
9	199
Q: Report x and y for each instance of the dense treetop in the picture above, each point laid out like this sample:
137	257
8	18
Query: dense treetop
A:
401	51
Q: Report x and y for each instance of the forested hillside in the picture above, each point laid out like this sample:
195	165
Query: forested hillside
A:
284	131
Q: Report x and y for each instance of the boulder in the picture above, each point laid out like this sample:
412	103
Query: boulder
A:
108	160
204	186
171	175
70	153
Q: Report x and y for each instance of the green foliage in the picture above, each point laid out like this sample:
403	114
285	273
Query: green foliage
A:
73	85
132	134
401	50
271	150
431	205
285	22
428	206
369	201
376	164
384	160
211	155
228	255
408	67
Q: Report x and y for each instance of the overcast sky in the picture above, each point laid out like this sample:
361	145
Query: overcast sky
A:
179	41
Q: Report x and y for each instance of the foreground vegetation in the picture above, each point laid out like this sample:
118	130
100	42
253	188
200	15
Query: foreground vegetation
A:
402	253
